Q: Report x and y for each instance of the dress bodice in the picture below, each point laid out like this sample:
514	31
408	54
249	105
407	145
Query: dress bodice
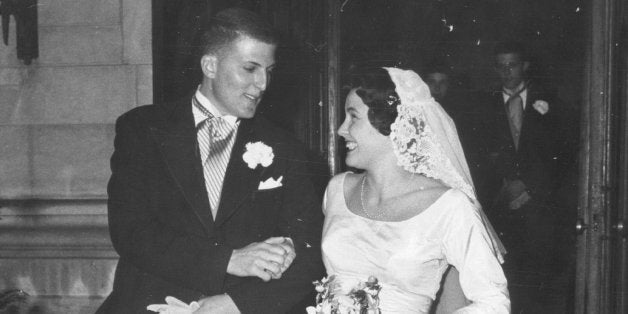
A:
409	257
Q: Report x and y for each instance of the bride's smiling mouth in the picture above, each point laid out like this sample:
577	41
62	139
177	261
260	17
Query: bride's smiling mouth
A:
351	145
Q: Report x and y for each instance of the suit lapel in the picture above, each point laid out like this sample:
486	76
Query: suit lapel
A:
179	148
529	117
240	181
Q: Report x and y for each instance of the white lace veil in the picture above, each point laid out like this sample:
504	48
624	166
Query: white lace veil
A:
425	141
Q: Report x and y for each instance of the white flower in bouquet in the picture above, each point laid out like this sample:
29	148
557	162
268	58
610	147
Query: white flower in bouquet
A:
362	298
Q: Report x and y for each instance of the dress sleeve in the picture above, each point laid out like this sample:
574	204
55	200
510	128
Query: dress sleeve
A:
468	247
335	186
325	198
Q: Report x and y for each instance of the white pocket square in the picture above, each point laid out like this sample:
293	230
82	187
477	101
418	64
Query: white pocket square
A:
270	183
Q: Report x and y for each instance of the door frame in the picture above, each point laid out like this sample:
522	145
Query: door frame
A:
619	214
597	181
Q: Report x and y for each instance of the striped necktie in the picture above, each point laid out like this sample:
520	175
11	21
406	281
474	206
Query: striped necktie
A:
514	108
215	137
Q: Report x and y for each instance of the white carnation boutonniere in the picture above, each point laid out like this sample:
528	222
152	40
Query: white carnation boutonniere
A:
258	153
541	106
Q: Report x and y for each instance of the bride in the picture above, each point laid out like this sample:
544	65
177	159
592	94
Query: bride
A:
412	212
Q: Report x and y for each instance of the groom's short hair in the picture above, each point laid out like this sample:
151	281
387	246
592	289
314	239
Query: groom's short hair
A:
229	24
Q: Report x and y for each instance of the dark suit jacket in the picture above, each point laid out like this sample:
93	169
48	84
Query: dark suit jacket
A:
528	231
534	162
161	224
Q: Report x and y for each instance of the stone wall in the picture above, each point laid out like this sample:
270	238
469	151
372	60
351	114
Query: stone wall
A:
56	137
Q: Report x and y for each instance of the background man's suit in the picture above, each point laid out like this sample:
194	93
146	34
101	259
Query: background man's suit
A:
162	226
527	232
534	161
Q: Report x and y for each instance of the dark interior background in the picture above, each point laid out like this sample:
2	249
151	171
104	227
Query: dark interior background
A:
463	34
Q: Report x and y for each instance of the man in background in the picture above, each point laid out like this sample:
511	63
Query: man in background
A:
463	107
521	149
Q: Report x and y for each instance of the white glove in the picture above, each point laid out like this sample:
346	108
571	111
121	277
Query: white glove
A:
174	306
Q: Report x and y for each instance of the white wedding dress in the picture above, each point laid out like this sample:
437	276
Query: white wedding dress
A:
409	257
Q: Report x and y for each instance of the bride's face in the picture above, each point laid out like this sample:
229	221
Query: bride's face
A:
365	145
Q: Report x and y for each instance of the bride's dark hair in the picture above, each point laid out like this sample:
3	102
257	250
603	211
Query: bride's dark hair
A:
377	91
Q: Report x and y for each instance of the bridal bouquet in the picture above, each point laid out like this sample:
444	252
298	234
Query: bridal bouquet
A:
362	299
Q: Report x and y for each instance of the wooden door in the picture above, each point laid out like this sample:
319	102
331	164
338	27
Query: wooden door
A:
601	274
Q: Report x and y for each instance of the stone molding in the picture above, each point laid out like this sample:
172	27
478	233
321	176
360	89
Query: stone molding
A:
55	229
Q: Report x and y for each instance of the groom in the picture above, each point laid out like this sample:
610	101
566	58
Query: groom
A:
207	201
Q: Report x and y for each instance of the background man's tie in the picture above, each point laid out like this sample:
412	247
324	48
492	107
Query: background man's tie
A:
214	136
514	107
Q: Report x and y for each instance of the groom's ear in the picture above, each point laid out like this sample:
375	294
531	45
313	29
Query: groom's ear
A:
209	64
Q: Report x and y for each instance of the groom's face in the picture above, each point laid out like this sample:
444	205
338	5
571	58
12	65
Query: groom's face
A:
237	75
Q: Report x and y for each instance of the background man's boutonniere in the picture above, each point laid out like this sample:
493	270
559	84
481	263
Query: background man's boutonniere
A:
541	106
258	153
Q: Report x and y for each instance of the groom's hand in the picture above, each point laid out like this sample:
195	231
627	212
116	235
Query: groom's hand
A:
265	260
289	254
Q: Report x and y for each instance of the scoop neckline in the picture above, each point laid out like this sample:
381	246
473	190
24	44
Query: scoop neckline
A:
346	206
